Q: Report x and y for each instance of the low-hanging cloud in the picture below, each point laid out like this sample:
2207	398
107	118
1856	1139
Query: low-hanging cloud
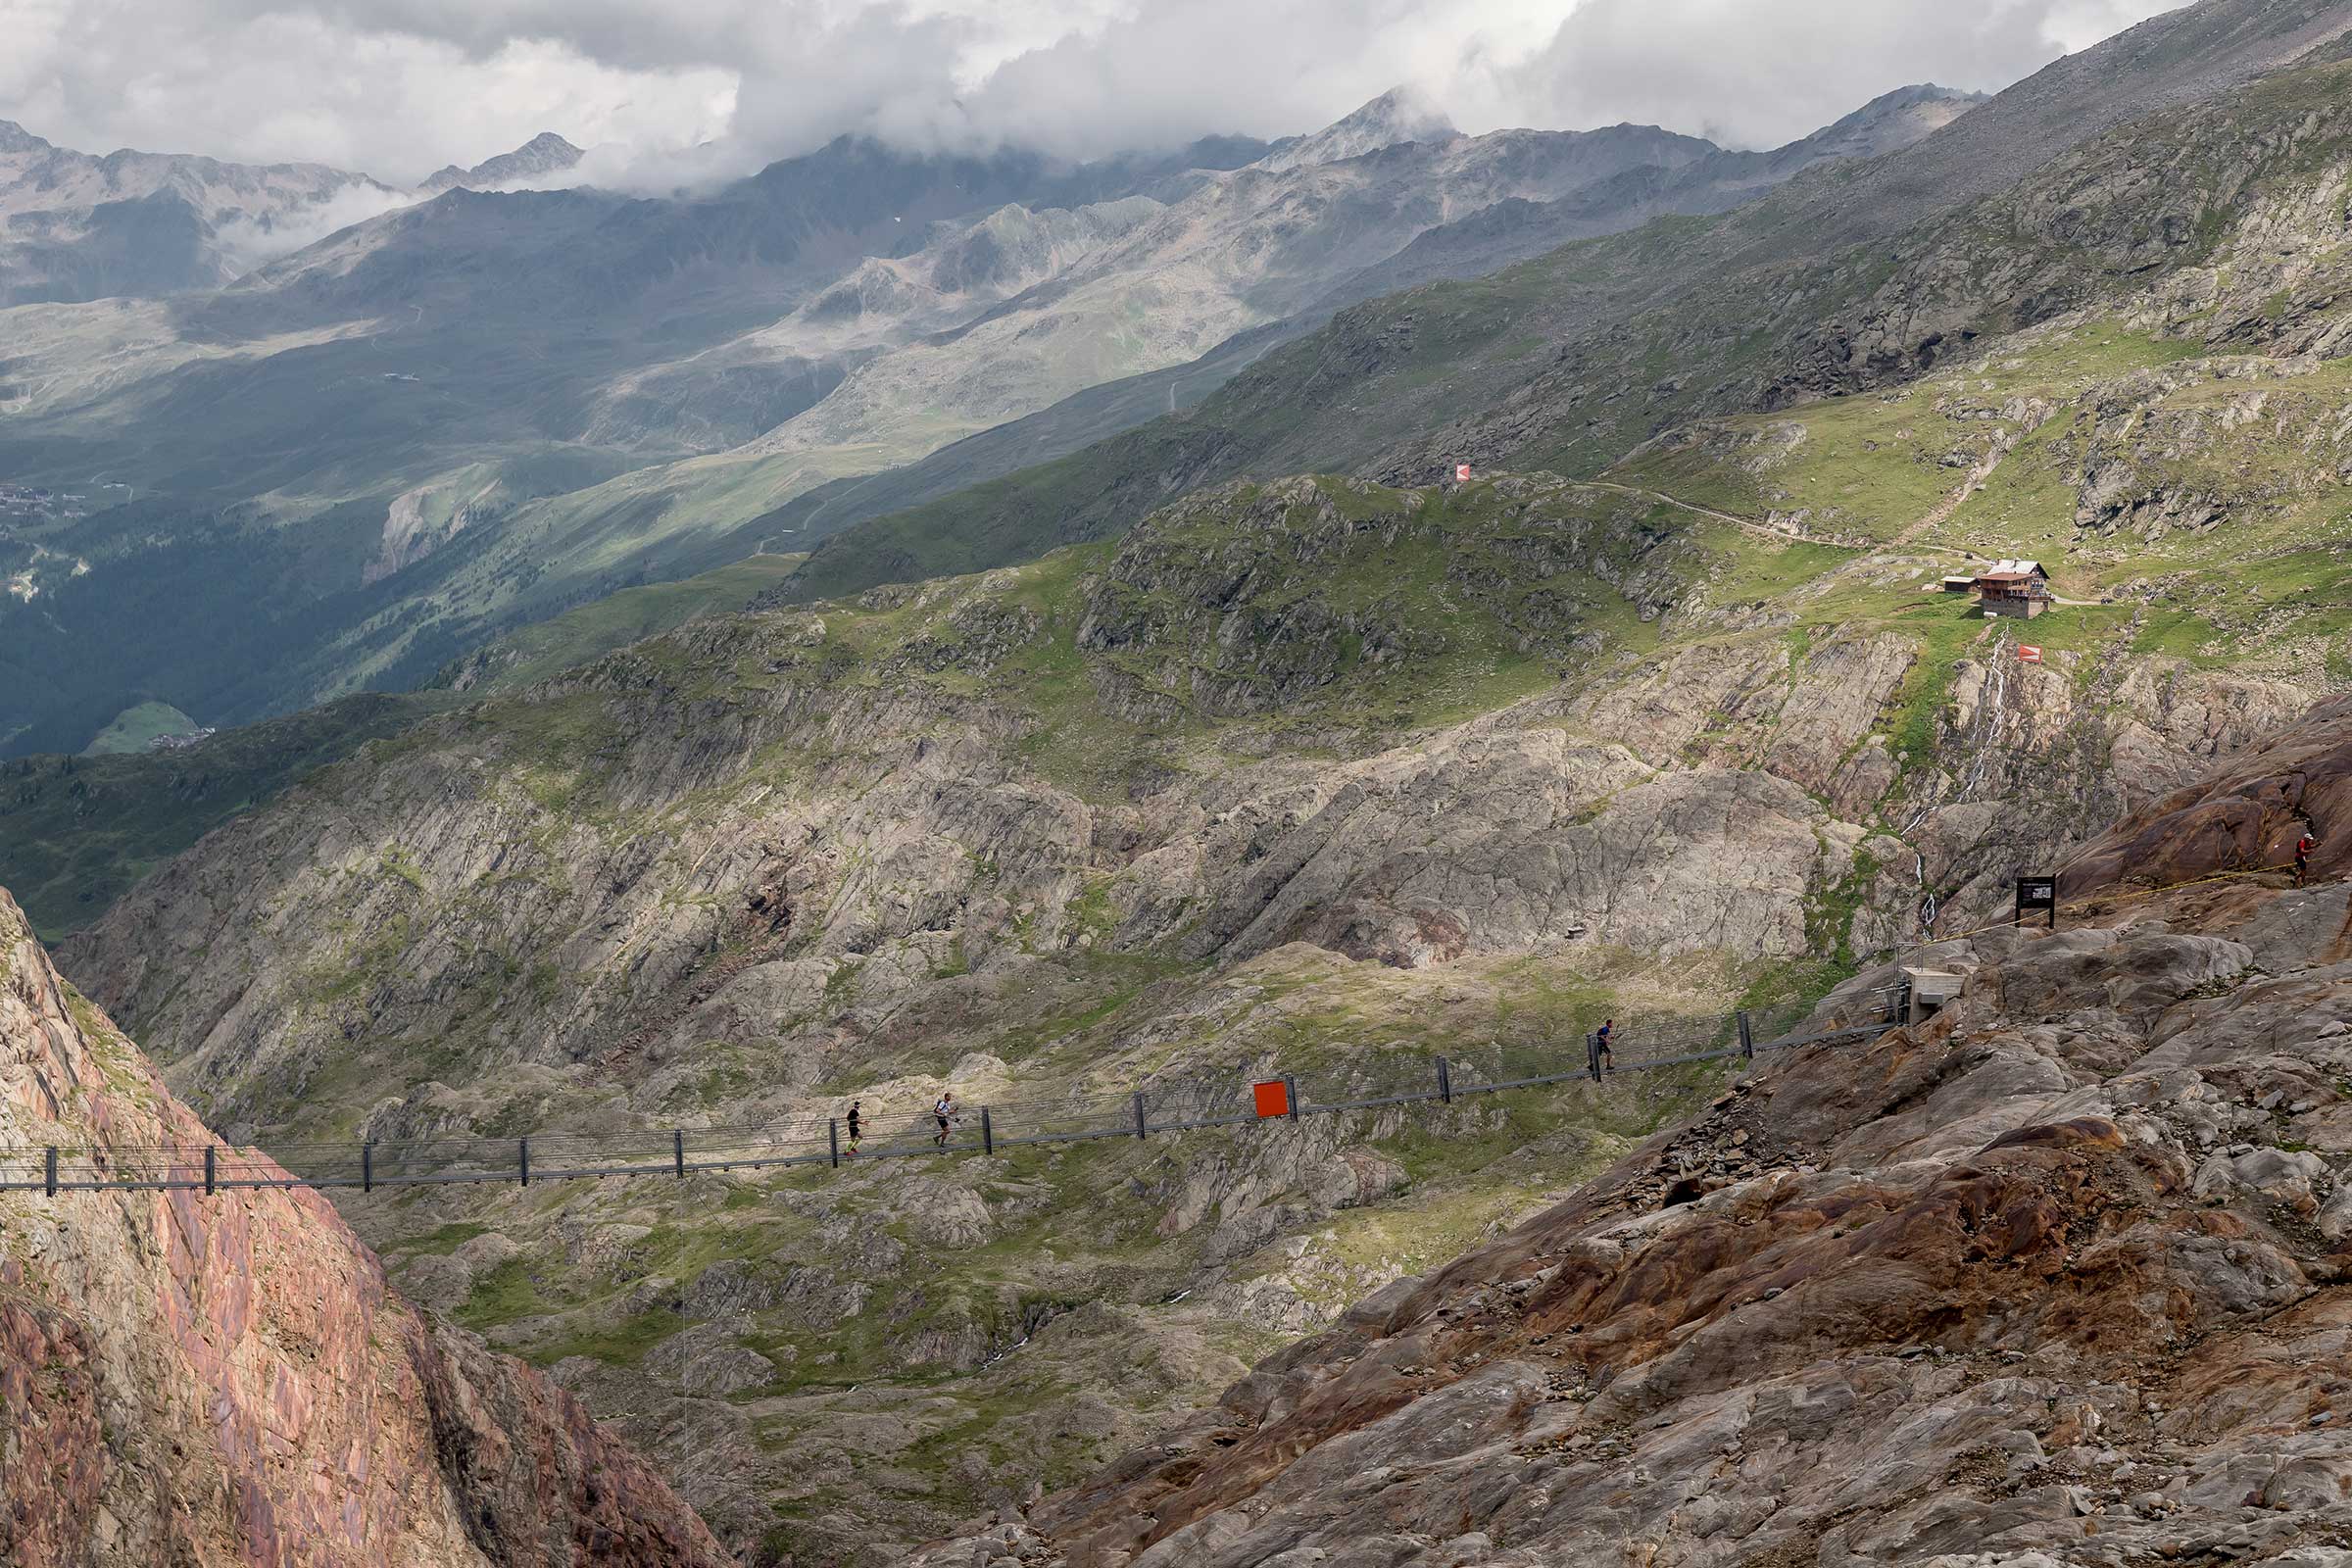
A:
688	91
246	243
1642	59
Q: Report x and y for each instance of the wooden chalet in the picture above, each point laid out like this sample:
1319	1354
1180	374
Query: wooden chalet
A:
2020	588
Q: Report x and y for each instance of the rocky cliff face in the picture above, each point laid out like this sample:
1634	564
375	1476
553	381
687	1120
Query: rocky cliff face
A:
2054	1276
227	1380
2248	817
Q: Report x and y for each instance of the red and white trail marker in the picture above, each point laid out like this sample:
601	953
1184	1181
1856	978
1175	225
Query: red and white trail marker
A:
1461	474
2028	653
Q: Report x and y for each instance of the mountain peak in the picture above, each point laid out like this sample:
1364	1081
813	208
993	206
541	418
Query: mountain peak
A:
544	154
1890	122
1403	113
14	138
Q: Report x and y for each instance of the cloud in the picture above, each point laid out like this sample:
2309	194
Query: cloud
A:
691	90
246	244
259	84
1760	75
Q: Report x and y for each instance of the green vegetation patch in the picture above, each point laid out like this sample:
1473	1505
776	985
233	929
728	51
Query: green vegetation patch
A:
1949	629
622	1343
136	727
439	1242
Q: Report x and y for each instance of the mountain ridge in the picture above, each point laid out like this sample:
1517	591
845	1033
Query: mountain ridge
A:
1614	320
661	388
544	154
77	227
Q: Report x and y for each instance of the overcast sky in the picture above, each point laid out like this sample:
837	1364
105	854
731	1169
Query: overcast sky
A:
400	87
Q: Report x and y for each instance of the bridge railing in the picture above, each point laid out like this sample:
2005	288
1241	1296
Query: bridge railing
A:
1357	1080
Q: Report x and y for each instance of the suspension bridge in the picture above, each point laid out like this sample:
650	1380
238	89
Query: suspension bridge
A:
1358	1083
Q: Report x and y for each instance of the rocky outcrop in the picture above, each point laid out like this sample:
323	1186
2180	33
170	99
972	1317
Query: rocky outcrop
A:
1499	844
227	1380
2246	816
2057	1275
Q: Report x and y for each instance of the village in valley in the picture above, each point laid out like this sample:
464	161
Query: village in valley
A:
25	509
30	503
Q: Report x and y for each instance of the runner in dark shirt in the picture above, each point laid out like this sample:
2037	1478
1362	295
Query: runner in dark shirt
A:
857	1128
1608	1059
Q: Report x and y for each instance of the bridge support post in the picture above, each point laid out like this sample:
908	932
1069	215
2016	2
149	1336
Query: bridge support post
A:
1748	1038
49	1172
1141	1131
677	1151
1290	1092
212	1172
523	1151
1592	1056
367	1165
833	1140
988	1131
1445	1082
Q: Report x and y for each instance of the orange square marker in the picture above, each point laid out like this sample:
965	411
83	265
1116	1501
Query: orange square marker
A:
1273	1099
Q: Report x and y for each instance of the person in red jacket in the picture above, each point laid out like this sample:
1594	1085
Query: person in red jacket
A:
2303	847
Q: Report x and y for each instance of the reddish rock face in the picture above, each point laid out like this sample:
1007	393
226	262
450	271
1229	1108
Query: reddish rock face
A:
2247	814
196	1381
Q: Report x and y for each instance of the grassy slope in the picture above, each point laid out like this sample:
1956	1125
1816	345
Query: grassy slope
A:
2262	579
632	614
1449	582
